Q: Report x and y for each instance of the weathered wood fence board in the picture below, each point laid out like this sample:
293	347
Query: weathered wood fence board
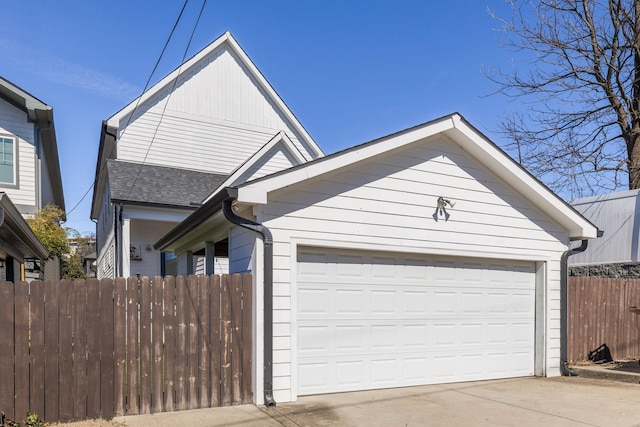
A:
599	314
73	350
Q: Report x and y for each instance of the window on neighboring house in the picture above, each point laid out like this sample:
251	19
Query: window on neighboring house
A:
7	160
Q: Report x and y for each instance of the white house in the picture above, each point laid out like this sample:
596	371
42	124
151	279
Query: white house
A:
162	155
427	256
29	177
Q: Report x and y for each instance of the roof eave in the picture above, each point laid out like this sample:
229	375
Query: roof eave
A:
19	227
455	127
529	186
196	219
106	148
42	115
152	204
52	159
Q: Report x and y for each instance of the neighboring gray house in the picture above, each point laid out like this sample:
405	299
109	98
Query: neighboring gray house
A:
427	256
213	120
617	252
29	180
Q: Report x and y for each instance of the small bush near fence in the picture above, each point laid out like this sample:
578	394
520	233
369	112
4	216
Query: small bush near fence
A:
74	350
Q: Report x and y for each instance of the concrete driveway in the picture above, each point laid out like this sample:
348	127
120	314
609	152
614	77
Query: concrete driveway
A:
564	401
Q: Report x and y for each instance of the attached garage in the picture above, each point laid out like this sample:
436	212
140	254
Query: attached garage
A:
369	320
427	256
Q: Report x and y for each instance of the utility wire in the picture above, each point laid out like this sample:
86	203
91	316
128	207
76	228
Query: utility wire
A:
164	108
146	86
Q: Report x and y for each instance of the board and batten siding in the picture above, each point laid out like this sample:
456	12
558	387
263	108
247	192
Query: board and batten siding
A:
217	115
14	123
388	204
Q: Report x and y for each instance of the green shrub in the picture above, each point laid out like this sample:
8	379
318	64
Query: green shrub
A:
32	420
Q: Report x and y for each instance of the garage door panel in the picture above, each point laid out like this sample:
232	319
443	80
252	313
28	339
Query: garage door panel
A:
373	320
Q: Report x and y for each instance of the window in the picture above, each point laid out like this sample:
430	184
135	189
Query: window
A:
7	160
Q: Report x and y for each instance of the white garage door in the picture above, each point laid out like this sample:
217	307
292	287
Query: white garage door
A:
368	320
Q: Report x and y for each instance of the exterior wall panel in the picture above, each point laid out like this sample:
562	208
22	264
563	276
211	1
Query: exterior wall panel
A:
217	114
241	250
14	123
390	204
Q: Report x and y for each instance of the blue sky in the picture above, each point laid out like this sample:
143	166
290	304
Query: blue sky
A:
351	71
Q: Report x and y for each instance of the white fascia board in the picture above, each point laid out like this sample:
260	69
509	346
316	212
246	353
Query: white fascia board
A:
349	157
507	169
279	138
183	68
252	195
246	61
274	96
152	213
458	131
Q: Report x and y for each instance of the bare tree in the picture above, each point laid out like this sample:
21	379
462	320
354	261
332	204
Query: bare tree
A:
581	132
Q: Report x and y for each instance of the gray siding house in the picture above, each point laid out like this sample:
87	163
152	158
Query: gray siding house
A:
617	252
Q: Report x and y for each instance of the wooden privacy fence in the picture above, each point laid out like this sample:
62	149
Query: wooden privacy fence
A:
599	314
73	350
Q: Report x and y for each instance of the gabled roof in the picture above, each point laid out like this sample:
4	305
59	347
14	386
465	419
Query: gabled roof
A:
42	115
225	40
110	126
279	140
16	237
159	185
454	126
461	132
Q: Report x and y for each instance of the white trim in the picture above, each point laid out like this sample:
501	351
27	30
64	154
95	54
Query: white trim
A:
487	153
456	129
511	256
280	138
15	142
185	68
542	275
125	247
541	324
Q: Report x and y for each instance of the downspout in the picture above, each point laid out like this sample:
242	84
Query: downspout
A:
564	308
268	293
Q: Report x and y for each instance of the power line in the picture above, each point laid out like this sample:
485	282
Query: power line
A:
175	25
164	108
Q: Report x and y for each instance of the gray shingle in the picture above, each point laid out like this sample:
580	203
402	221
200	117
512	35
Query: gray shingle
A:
160	185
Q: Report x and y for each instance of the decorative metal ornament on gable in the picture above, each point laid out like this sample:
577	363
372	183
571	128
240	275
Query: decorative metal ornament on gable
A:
441	208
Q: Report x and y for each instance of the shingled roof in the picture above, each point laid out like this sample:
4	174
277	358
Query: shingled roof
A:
159	185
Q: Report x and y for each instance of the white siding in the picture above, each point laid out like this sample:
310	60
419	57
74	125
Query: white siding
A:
241	249
618	215
14	123
105	239
215	119
143	235
276	160
221	265
389	204
106	261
